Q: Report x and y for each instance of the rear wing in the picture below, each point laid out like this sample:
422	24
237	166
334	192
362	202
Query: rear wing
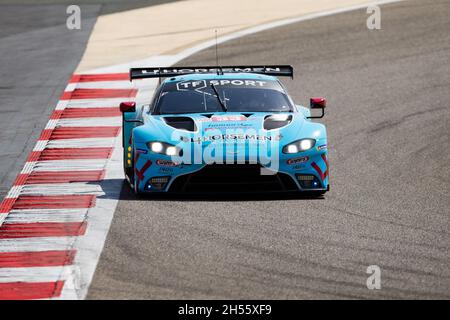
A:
160	72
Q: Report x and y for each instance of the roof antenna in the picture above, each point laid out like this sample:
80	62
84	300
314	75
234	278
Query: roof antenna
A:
219	68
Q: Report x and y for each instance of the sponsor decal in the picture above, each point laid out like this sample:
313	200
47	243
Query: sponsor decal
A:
165	71
252	145
191	85
166	163
166	170
297	160
237	136
210	122
228	126
322	147
228	118
202	84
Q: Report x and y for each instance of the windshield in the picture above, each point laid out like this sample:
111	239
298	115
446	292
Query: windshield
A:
235	95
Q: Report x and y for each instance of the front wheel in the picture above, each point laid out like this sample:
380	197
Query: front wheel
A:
129	170
136	188
135	180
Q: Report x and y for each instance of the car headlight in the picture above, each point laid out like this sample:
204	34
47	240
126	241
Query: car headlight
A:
299	146
164	148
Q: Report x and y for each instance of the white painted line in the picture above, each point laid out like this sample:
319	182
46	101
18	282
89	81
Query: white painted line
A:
81	143
71	87
108	102
36	244
62	104
70	165
35	274
14	192
90	122
65	216
28	168
97	103
46	215
51	124
49	211
62	189
40	145
106	85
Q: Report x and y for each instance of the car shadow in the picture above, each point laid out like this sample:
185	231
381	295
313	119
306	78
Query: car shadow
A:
127	194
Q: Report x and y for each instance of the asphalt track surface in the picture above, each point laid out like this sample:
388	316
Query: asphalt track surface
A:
389	131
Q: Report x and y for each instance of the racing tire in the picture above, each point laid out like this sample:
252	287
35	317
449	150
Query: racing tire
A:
135	185
132	181
136	188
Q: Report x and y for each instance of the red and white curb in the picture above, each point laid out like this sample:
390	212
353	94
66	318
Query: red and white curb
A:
54	220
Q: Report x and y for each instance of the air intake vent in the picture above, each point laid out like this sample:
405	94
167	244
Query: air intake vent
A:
181	123
276	121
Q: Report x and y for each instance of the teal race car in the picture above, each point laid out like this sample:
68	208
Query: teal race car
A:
223	129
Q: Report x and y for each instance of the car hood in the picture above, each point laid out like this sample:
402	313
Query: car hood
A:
239	127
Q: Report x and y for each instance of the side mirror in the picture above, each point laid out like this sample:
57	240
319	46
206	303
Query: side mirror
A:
128	106
318	103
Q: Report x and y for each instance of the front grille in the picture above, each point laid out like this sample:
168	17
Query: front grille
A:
232	178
